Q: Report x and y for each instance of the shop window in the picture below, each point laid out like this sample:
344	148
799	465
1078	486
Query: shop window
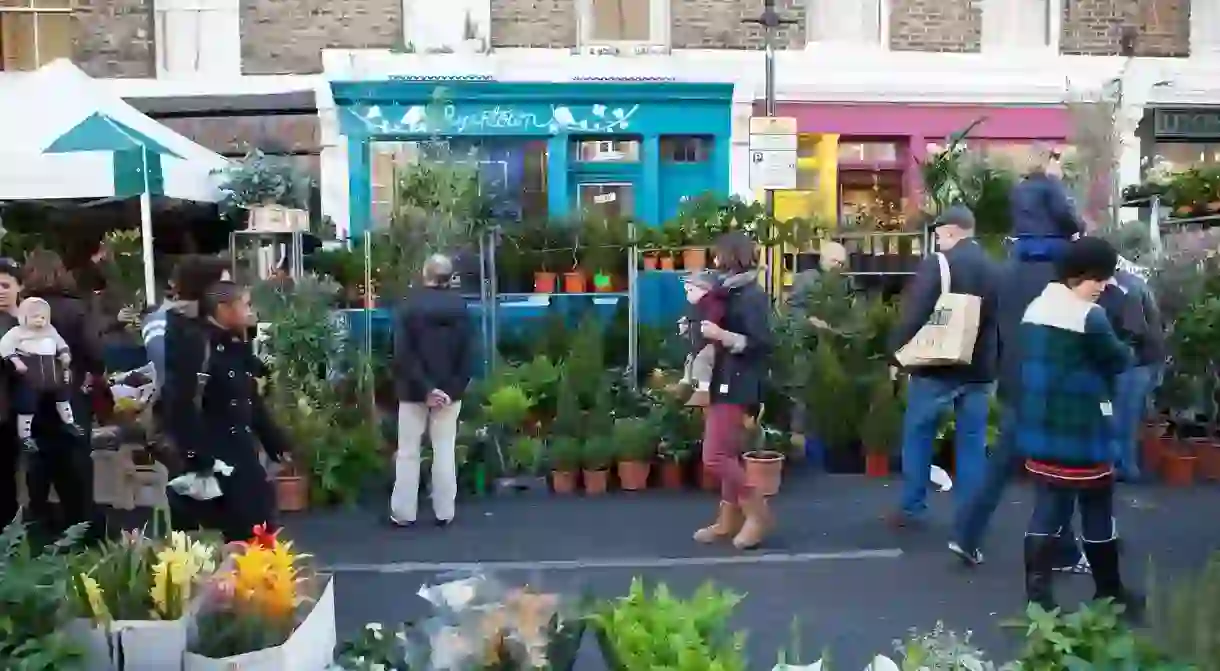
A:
606	150
34	33
686	149
868	152
534	181
610	21
858	22
608	200
1021	24
871	201
1182	155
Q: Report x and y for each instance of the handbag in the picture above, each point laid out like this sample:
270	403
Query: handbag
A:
947	338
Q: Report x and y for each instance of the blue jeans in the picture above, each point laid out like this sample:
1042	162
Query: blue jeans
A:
927	400
973	518
1130	408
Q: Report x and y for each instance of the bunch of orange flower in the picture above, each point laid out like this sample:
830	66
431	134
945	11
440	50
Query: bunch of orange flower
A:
255	604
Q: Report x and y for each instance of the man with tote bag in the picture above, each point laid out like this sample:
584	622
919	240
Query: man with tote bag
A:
946	339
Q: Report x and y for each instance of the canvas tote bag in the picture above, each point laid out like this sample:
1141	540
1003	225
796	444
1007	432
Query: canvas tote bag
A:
947	338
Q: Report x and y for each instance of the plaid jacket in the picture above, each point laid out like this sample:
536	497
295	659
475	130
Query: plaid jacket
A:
1069	360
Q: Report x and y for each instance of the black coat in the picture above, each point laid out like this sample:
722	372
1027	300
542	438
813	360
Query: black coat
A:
433	345
739	378
1041	207
972	272
73	318
221	417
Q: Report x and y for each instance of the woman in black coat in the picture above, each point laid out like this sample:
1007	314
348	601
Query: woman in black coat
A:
10	451
743	342
64	460
213	412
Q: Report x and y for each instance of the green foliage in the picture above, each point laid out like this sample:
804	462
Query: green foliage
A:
958	175
1094	637
680	427
302	335
343	265
585	365
564	453
597	453
125	270
1185	617
882	433
373	649
508	406
258	179
569	418
636	439
525	455
35	602
646	632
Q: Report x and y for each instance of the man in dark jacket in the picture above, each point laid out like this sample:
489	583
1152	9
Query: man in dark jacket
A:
966	388
1133	312
433	342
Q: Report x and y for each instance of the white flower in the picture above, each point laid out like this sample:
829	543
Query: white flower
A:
882	663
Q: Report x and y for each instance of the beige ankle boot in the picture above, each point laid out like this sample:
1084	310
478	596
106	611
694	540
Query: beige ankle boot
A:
728	522
758	522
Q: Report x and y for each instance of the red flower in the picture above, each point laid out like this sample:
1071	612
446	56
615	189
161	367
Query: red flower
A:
262	537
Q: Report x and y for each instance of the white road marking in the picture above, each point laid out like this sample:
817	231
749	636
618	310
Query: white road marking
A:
625	563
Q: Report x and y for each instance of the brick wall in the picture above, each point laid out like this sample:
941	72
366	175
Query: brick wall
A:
533	23
717	24
288	36
936	25
115	38
1094	27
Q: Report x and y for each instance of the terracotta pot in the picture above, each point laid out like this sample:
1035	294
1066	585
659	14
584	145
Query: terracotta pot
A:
667	262
574	282
694	259
764	471
607	287
1178	468
651	262
291	493
564	482
673	475
633	475
544	283
708	481
1153	449
876	465
595	481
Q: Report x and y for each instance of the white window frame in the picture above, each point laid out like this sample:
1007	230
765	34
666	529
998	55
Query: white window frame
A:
31	7
210	45
658	26
816	10
999	13
1205	29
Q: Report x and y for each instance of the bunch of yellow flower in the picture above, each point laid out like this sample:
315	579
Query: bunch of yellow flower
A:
180	564
265	579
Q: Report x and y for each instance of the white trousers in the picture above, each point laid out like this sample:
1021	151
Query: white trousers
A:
414	419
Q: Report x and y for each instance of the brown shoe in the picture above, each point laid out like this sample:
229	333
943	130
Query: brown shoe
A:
758	523
728	522
699	399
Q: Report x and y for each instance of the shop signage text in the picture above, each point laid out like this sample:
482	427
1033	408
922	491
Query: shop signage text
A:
459	119
1200	124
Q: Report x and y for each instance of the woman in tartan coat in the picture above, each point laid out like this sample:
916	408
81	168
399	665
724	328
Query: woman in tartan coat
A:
1069	362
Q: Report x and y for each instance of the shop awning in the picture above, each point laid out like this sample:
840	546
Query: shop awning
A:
68	138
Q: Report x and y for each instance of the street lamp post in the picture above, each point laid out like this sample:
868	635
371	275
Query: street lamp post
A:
771	21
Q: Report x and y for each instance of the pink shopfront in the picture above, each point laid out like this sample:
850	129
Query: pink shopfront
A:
877	149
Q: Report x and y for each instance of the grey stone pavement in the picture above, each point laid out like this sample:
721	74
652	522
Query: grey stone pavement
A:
852	584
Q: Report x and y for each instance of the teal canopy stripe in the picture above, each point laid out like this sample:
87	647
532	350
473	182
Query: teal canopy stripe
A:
132	151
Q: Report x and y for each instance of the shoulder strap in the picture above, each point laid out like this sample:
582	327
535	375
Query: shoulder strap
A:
204	375
944	272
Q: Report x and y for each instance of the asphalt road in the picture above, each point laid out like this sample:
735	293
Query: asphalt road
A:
851	584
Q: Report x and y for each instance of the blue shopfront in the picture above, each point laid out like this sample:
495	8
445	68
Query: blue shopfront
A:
632	149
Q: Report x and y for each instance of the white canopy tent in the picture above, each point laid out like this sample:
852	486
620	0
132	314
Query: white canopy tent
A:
63	136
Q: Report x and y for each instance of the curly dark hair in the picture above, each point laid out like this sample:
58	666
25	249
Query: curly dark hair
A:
195	274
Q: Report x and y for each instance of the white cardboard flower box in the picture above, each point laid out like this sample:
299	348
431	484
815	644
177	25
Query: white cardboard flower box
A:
310	648
131	645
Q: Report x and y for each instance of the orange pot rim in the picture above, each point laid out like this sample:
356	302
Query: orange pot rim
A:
764	456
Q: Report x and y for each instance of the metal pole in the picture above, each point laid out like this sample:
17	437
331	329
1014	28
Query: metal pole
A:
770	20
633	313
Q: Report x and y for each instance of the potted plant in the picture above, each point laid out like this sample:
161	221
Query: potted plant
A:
36	589
671	239
764	461
882	433
658	630
636	441
596	457
506	410
565	457
259	182
524	458
603	250
649	240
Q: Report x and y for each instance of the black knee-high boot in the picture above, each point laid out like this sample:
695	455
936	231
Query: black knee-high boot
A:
1107	578
1039	557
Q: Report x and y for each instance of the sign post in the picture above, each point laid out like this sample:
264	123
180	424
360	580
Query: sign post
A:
773	144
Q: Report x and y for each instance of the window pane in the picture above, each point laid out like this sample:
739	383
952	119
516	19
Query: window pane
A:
54	37
606	151
611	201
17	41
1182	155
627	20
872	152
853	21
685	149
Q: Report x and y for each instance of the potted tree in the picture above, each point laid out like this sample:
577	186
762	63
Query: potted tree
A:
882	433
636	442
506	410
595	459
564	454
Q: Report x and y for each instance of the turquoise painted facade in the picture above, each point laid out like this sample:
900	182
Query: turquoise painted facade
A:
496	116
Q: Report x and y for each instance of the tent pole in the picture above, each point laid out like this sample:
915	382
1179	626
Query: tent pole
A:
146	235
